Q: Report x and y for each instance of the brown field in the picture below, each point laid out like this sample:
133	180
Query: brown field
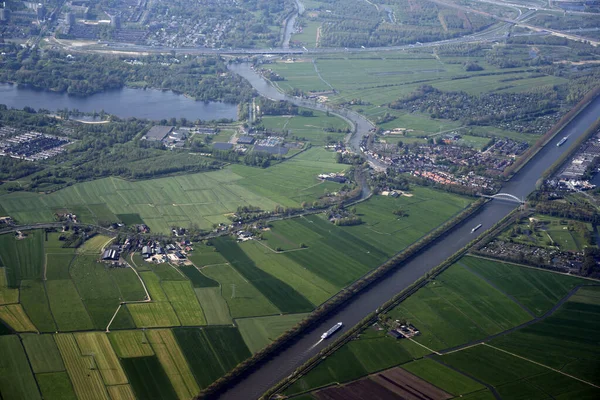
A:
393	384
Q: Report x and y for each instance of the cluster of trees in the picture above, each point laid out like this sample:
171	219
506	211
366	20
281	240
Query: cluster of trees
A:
203	78
360	24
99	150
516	111
281	107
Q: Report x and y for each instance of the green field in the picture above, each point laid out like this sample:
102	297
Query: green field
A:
7	295
148	378
23	258
318	129
57	266
130	343
458	307
105	359
42	353
174	363
16	377
100	294
261	331
515	377
199	280
567	340
537	290
282	295
374	351
214	306
153	315
211	352
443	377
243	299
314	288
184	302
203	198
130	287
34	301
55	386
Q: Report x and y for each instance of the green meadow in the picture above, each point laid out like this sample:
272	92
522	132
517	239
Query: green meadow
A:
203	199
473	299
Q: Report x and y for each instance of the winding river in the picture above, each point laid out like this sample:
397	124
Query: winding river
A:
283	364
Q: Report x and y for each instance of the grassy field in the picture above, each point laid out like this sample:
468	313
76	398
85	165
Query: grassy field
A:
458	307
85	377
203	198
211	352
566	340
7	295
514	377
214	305
314	288
121	392
55	386
97	345
198	279
152	283
100	294
261	331
131	343
318	129
279	293
374	351
16	377
243	299
66	305
184	302
57	266
153	315
426	209
130	287
174	363
23	258
537	290
148	378
43	353
16	318
443	377
33	299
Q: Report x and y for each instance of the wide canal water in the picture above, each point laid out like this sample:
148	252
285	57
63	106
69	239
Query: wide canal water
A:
523	183
124	103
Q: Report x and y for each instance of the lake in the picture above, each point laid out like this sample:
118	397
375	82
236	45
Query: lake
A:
139	103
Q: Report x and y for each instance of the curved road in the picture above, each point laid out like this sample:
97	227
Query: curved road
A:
283	364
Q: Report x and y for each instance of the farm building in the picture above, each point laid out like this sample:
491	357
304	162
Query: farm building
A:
158	133
146	251
245	140
110	255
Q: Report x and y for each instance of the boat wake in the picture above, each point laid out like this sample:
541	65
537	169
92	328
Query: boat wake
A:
316	344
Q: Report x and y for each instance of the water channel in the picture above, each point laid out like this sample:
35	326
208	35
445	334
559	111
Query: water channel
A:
139	103
283	364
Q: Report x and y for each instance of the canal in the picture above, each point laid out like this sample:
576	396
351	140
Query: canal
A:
523	183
